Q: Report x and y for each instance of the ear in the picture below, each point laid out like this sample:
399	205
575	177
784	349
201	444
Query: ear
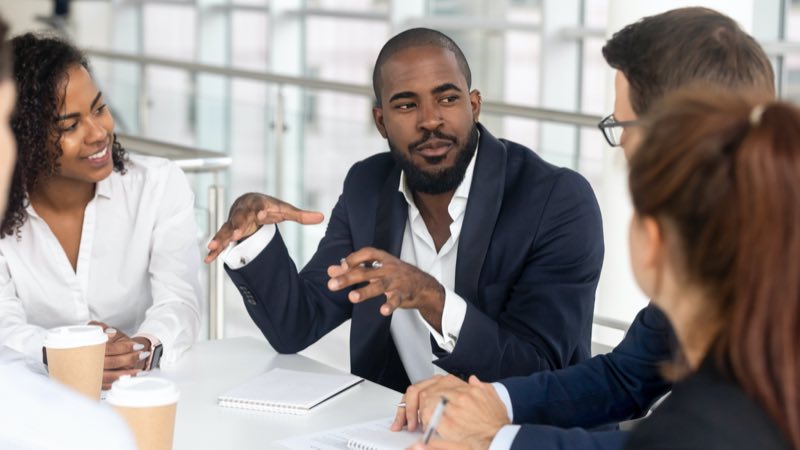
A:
475	101
377	116
655	248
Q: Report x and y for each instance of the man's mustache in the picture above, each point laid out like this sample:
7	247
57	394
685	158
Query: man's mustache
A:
430	135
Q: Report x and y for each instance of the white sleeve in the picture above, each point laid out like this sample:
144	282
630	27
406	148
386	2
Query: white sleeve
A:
72	421
15	331
502	392
174	317
241	254
504	438
453	314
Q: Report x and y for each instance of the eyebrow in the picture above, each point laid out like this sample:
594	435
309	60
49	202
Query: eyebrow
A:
444	88
75	114
437	90
404	94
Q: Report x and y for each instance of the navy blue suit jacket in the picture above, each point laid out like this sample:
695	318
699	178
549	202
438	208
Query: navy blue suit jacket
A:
529	258
618	386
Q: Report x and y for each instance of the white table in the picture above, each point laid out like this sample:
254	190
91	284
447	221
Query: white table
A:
213	367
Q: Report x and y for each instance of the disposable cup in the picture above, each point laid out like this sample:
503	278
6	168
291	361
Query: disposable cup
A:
75	357
148	404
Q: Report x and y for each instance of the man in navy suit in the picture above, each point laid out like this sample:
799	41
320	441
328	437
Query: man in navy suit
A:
653	57
454	251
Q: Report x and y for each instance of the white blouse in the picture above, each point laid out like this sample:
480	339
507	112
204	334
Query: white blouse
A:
138	265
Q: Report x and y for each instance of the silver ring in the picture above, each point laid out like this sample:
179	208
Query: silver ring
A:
375	265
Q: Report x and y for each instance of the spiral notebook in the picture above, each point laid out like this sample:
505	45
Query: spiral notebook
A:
372	435
287	391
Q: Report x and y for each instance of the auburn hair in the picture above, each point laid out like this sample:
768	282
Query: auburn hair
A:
724	170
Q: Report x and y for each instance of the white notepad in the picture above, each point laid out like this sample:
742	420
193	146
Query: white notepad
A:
383	440
287	391
362	436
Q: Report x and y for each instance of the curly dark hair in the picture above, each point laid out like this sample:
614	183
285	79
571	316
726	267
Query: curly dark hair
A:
40	68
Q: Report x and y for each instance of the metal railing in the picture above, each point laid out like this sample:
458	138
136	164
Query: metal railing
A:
488	106
193	160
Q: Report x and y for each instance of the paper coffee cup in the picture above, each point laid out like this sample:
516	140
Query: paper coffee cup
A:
148	404
75	357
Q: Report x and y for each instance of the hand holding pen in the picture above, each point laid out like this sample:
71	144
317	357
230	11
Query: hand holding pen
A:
473	416
404	285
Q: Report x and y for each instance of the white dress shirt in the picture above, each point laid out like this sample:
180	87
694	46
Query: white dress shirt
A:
137	268
506	435
40	414
411	333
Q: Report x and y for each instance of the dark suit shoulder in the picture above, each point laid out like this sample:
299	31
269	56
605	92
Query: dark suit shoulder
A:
709	412
370	172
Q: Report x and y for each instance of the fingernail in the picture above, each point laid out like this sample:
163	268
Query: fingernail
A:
111	331
354	296
143	356
333	284
137	347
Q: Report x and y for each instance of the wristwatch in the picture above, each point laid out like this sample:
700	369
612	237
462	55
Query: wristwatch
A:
155	357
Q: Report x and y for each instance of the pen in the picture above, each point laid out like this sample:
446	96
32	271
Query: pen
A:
366	265
437	416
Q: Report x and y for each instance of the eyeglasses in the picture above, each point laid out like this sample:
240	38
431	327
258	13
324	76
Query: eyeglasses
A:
612	129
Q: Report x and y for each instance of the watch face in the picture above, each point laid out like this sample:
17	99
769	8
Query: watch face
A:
156	361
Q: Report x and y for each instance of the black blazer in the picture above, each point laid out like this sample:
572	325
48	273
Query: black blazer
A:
529	258
555	408
708	411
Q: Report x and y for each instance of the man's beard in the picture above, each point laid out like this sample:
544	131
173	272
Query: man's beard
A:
440	181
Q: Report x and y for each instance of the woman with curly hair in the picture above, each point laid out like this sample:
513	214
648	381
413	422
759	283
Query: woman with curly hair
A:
73	422
92	234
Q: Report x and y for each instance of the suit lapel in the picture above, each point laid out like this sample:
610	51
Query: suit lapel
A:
483	207
391	215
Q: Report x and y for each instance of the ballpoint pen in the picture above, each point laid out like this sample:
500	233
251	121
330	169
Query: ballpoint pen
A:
437	416
366	265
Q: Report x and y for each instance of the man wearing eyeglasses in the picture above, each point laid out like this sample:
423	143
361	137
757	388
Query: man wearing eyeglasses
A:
653	57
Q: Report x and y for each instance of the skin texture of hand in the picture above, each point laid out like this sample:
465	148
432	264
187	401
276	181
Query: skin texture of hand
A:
124	356
473	416
249	212
432	388
404	285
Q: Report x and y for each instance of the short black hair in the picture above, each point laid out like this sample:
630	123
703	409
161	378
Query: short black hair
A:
686	46
417	37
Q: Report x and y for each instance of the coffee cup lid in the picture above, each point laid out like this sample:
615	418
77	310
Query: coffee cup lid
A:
142	392
74	336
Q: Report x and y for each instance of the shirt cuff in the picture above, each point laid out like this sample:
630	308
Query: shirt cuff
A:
504	438
453	314
502	392
242	253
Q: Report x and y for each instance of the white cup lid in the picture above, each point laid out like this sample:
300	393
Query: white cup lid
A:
74	336
142	392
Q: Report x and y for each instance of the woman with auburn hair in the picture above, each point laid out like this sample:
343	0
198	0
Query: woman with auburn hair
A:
92	234
714	241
